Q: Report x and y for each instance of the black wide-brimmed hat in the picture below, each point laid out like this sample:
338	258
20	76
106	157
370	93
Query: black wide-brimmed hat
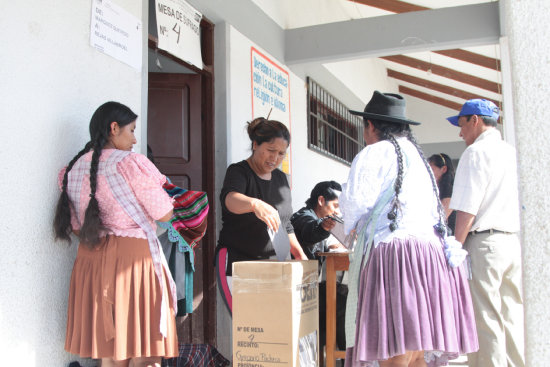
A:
387	107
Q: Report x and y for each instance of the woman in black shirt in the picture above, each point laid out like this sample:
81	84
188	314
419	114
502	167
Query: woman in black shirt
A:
444	172
256	195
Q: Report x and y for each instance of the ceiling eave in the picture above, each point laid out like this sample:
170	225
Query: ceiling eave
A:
434	29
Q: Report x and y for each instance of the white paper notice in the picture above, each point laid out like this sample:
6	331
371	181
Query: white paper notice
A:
116	32
178	26
280	242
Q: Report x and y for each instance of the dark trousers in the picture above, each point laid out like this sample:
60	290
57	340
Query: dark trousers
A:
341	296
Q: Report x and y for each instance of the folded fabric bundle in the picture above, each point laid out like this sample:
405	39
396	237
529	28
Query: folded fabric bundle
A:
184	230
190	212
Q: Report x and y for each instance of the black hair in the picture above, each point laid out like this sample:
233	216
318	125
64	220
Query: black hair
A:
390	131
261	130
325	189
150	154
443	160
100	128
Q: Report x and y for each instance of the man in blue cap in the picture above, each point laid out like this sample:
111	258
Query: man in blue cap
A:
485	196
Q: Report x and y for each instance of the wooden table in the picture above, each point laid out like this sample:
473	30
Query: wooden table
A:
335	261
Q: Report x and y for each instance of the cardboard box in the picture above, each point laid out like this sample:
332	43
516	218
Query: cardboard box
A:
275	314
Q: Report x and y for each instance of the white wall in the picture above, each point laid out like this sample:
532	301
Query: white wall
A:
435	134
526	25
308	166
434	127
52	81
363	77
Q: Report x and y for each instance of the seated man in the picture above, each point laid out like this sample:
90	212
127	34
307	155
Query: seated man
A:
312	225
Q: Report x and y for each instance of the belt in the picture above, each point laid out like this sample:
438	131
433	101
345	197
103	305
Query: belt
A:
490	231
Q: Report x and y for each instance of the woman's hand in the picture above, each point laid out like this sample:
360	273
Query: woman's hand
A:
266	213
238	203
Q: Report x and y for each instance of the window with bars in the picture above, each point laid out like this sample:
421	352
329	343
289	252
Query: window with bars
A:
332	130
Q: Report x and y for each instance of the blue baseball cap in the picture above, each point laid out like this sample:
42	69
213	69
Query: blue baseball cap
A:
480	107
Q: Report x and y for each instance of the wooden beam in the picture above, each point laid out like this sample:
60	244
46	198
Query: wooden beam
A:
394	6
392	34
472	57
430	98
446	72
459	93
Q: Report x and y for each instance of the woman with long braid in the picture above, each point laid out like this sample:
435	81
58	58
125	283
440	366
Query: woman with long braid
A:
408	301
121	298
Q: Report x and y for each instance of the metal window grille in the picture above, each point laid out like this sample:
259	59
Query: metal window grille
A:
332	130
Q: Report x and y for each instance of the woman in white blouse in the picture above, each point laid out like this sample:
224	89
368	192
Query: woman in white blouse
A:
409	302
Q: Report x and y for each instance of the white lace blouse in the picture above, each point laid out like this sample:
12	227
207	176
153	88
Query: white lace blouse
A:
373	170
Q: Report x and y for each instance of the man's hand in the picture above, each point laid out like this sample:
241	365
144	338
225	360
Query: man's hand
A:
463	225
328	224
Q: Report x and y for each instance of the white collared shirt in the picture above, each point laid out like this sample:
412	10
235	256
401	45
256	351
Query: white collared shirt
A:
486	184
373	170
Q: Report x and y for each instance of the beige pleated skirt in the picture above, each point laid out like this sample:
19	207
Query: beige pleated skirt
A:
115	301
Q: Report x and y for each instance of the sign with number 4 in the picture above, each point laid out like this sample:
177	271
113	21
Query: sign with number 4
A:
178	27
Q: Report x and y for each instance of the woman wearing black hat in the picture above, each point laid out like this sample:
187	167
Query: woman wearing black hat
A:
408	302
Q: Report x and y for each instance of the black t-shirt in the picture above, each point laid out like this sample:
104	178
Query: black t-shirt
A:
445	187
446	191
309	232
244	235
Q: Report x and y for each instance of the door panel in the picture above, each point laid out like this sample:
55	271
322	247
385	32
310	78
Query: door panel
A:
169	111
174	129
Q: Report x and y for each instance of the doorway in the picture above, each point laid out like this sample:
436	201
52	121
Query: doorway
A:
180	133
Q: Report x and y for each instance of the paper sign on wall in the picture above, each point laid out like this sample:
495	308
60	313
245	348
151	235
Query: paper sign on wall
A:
178	27
116	32
270	94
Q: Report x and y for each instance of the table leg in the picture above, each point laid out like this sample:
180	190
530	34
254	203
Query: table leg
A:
331	313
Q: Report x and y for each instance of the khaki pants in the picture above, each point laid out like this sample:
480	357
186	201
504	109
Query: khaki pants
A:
497	299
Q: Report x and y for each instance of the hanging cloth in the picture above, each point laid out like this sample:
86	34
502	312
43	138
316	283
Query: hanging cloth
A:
185	229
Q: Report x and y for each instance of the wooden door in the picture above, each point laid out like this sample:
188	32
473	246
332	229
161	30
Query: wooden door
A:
176	135
174	128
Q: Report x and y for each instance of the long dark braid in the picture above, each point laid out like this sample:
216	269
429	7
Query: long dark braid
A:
395	205
100	127
92	226
62	219
441	227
